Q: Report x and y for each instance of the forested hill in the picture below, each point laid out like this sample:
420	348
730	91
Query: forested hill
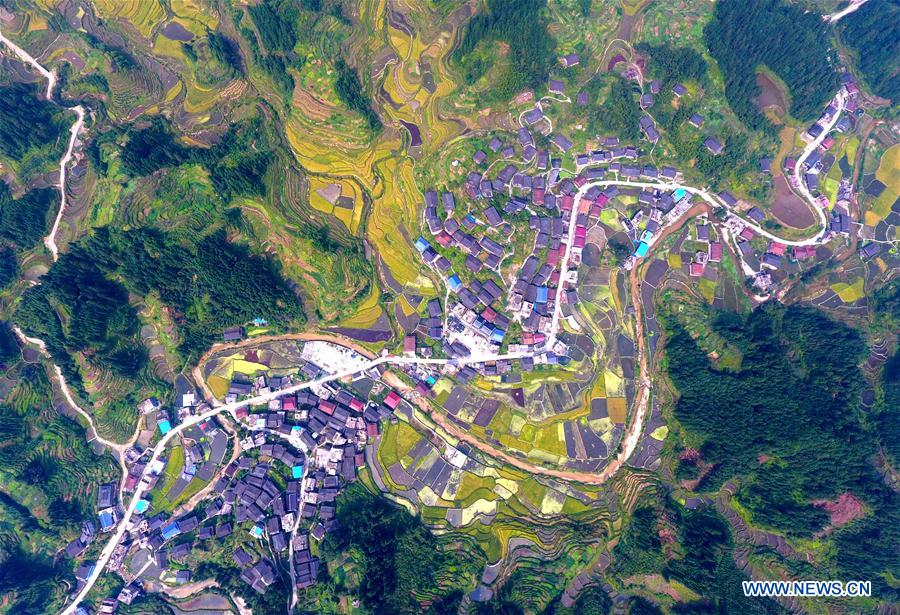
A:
871	32
788	426
793	44
523	26
208	286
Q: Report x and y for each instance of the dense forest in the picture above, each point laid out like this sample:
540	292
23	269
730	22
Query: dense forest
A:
9	266
208	286
10	353
619	113
794	403
236	165
673	65
403	567
351	92
275	25
28	122
77	308
274	22
740	37
24	221
707	566
697	552
788	426
875	45
889	415
523	26
225	51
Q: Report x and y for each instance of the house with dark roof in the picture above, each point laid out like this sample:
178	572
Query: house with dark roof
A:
679	90
561	142
533	115
649	128
696	120
812	181
770	260
233	334
756	214
727	198
106	495
713	145
569	60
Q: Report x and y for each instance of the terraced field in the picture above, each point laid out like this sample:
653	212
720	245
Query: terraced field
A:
143	15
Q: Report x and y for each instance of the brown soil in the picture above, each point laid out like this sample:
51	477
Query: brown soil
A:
771	97
843	510
789	208
313	108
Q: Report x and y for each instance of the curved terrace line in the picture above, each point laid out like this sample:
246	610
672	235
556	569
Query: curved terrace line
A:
635	428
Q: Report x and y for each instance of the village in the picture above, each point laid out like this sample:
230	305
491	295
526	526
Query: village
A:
278	490
608	189
270	468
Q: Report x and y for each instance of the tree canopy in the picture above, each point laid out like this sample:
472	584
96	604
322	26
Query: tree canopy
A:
740	38
523	26
794	402
876	45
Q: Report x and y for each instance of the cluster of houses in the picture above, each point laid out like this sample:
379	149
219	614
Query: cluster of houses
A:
712	253
475	321
300	452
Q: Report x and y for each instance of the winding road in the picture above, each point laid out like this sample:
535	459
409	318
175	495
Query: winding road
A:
78	110
633	431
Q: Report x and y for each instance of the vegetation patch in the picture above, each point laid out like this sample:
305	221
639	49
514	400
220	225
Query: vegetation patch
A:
403	568
522	25
738	38
875	45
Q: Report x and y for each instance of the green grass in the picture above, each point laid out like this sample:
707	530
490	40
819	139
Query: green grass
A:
174	465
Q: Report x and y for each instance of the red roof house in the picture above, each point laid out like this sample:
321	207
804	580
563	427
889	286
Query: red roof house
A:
392	400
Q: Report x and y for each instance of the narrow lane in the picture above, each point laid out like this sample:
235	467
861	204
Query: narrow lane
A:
633	432
78	110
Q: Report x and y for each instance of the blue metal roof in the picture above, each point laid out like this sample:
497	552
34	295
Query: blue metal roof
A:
106	520
170	531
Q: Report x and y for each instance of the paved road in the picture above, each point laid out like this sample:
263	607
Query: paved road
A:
630	439
809	149
850	8
114	540
643	397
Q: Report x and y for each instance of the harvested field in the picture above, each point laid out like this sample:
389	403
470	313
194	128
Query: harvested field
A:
789	208
615	60
771	96
370	336
176	32
415	134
